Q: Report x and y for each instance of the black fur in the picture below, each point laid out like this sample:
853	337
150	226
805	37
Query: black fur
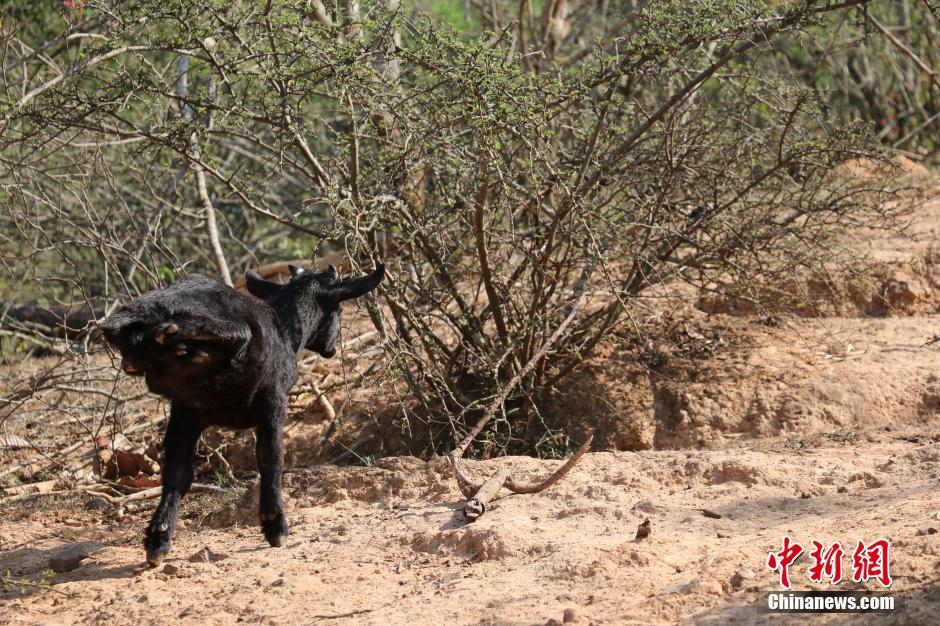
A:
227	359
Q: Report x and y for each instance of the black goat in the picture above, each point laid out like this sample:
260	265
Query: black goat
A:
224	358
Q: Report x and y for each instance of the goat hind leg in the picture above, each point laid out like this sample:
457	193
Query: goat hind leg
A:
179	444
270	452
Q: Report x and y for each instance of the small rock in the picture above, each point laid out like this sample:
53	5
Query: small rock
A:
724	536
737	581
570	616
710	587
805	496
929	530
206	555
279	582
97	504
937	516
843	489
553	622
645	506
711	514
68	559
171	570
678	587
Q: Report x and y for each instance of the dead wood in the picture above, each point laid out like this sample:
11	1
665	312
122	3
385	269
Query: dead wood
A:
464	483
477	505
470	488
153	492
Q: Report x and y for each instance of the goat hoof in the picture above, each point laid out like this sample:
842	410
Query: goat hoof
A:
275	530
163	331
201	357
157	544
181	349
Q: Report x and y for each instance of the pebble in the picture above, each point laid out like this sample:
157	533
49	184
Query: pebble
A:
737	581
68	559
570	616
98	504
711	587
205	555
678	587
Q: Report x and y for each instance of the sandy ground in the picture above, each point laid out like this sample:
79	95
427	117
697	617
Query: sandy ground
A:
821	428
388	545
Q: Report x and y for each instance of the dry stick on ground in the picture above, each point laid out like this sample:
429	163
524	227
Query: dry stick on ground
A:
153	492
477	505
325	404
481	493
53	457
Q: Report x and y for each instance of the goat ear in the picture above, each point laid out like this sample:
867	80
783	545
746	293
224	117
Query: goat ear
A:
356	287
295	270
259	287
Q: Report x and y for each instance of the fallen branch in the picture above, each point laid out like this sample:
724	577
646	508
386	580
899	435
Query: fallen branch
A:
477	505
470	488
6	583
341	615
325	404
36	494
153	492
479	497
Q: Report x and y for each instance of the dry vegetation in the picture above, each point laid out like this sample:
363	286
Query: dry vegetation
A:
702	233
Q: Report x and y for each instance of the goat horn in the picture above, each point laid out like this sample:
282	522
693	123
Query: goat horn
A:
349	289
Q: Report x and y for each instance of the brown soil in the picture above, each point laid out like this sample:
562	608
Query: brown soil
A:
389	542
816	428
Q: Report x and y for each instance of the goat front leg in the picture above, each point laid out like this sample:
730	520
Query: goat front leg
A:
179	444
270	453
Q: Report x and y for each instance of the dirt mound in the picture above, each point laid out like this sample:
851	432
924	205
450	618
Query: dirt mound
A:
867	169
709	380
820	376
